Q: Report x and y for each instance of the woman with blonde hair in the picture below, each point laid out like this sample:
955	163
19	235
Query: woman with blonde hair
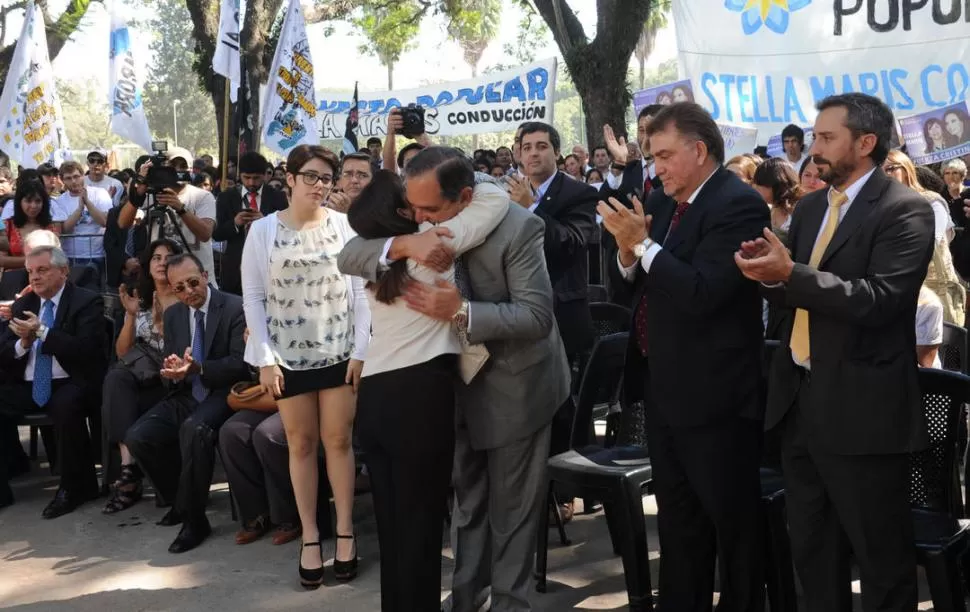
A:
743	166
941	277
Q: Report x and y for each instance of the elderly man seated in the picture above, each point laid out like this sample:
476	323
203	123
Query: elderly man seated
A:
52	352
174	442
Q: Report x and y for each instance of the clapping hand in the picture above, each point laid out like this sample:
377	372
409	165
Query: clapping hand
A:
765	260
520	191
629	226
26	328
131	303
616	146
177	368
429	249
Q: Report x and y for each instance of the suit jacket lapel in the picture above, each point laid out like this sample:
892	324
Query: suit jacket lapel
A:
662	208
212	320
550	197
858	211
693	214
63	307
813	214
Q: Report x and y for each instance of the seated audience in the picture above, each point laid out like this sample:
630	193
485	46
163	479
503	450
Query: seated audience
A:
31	212
942	276
126	395
929	328
174	442
52	354
743	166
809	177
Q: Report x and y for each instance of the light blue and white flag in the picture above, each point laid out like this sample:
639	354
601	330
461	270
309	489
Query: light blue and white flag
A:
128	118
32	128
225	61
290	109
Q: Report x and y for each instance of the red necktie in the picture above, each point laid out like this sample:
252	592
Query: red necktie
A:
252	202
640	317
647	185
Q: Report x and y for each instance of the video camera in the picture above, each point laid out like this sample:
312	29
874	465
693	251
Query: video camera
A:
413	117
162	175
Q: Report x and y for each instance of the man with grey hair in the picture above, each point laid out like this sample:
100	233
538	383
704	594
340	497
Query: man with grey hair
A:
52	353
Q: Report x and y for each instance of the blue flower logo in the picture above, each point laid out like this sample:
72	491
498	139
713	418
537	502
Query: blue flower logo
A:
773	14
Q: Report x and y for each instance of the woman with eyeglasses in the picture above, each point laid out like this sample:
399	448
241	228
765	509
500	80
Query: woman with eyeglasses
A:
309	328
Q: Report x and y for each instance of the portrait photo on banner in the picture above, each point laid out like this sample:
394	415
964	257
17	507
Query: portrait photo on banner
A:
668	93
776	147
937	135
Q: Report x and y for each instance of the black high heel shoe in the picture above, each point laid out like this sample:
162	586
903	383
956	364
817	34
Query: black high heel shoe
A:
345	571
310	578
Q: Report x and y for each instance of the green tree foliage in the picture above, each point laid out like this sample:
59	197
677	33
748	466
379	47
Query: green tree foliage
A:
473	24
171	78
58	30
86	115
655	22
390	30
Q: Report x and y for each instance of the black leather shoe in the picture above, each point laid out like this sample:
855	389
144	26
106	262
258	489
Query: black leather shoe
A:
171	518
64	503
345	571
191	535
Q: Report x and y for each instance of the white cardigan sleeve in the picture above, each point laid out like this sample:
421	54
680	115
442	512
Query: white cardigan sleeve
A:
255	278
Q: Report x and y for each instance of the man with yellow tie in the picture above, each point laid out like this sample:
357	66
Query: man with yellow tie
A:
843	389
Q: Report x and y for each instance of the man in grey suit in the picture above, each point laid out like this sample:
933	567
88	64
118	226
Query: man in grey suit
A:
504	416
174	442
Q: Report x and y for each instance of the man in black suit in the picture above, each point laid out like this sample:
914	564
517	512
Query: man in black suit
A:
236	209
844	389
174	442
54	348
695	359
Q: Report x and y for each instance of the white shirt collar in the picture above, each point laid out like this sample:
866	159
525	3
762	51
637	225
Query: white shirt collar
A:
853	190
205	307
540	191
56	299
693	196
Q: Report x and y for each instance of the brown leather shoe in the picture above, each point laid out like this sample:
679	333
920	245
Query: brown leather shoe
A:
253	530
287	532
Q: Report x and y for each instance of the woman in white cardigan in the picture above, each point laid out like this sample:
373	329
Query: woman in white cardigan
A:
309	327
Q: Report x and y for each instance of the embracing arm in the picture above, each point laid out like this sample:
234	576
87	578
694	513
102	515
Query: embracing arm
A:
898	262
528	313
472	225
361	258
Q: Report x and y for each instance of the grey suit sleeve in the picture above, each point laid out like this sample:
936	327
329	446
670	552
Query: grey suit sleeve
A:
898	262
362	258
528	313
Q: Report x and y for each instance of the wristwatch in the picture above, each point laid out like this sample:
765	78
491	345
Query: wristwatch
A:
640	250
180	212
460	319
42	331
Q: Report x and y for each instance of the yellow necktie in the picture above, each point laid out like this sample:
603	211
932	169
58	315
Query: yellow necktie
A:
800	346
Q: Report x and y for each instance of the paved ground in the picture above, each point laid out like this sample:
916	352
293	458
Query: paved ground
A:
87	561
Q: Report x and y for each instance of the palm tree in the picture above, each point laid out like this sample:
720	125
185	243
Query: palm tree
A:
655	22
473	24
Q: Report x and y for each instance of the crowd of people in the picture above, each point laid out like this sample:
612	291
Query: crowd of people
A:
430	310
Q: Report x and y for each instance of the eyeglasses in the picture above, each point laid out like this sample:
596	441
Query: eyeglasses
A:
192	283
360	176
312	178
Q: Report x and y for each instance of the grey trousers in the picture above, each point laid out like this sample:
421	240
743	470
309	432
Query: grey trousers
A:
499	493
256	457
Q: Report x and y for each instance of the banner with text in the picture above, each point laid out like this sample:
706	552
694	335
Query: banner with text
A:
770	62
128	118
738	139
668	93
490	103
937	135
33	124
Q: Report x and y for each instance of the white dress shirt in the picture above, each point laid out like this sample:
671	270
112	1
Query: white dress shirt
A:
57	372
540	191
205	317
653	248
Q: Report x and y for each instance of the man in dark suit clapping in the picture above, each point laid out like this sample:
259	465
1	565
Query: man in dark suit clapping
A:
843	389
238	207
695	358
54	349
174	442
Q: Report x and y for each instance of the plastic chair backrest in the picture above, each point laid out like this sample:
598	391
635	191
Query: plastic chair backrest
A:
603	377
609	318
934	482
953	351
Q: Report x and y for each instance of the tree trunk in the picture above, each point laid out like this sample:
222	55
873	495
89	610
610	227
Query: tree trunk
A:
643	70
605	98
475	135
390	76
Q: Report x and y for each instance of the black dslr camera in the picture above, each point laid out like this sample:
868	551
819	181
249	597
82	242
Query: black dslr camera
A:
162	175
413	116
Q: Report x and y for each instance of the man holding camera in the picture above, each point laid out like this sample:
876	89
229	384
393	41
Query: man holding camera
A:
394	161
194	209
237	208
356	173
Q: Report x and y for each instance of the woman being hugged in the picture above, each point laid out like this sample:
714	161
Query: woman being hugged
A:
309	328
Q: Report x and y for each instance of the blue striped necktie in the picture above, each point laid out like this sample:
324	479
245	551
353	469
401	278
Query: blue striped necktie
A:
43	364
198	355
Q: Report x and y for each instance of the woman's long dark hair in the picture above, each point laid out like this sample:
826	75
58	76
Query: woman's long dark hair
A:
377	213
31	189
776	175
146	284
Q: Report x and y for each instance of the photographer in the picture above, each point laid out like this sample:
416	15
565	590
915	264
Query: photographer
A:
186	213
395	126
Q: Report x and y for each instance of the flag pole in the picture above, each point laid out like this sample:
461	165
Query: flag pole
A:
224	162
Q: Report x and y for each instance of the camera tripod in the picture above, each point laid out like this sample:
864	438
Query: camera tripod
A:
158	217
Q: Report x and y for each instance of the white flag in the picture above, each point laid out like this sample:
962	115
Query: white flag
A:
33	125
128	118
290	110
225	61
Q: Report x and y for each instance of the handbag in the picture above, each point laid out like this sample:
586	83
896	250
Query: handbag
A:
248	395
144	362
942	279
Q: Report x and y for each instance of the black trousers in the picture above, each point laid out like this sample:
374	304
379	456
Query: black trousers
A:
123	401
256	456
69	413
406	425
708	491
838	503
175	443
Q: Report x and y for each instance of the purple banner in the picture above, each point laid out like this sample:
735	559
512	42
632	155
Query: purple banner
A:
938	135
668	93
